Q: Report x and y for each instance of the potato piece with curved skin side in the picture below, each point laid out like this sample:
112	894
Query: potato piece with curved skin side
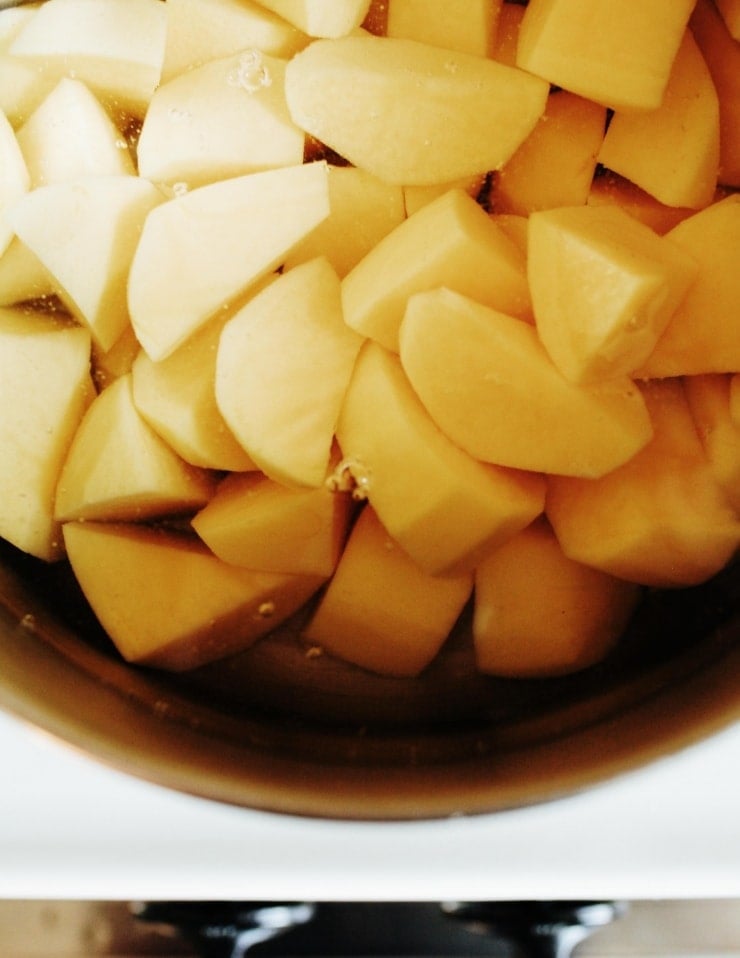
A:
450	242
202	252
118	469
45	388
618	54
443	507
410	113
167	602
487	382
672	152
538	613
660	519
283	366
380	611
257	523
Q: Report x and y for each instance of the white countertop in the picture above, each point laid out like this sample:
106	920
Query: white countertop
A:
73	829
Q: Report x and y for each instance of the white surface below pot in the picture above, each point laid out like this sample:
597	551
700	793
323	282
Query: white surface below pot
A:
71	828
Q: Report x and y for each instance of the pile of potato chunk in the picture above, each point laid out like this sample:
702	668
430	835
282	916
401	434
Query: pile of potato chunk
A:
395	306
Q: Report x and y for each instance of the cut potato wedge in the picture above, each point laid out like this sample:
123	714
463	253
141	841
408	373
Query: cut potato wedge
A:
199	253
380	611
166	601
85	233
443	507
254	522
45	388
618	54
225	118
604	287
660	519
117	47
539	613
487	382
118	469
410	113
672	152
450	242
284	363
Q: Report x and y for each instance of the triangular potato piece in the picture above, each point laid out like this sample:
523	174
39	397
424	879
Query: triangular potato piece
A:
200	252
85	231
166	601
118	468
45	387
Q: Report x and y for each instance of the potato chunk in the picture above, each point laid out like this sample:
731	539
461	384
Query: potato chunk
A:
410	113
442	506
660	519
283	366
618	54
489	385
539	613
604	287
259	524
199	253
117	468
450	242
45	387
380	611
672	152
166	601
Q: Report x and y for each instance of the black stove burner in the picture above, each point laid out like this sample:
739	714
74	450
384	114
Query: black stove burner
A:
496	929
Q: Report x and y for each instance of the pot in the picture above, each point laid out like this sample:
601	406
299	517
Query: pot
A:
281	729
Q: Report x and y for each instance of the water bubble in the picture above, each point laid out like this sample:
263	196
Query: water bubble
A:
250	72
266	610
178	115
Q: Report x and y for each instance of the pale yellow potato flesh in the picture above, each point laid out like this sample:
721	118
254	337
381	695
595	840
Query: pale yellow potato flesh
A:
473	367
199	253
604	287
166	601
444	508
85	232
468	26
617	54
538	613
257	523
660	519
45	388
380	611
444	114
283	366
222	119
116	49
70	134
449	242
203	30
673	151
118	469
